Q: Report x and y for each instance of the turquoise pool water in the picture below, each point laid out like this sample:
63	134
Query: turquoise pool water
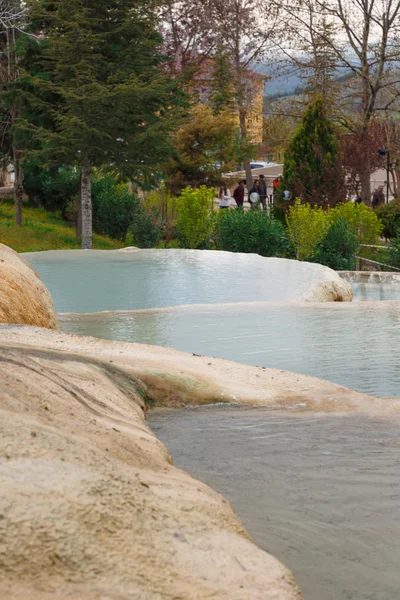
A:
354	345
90	281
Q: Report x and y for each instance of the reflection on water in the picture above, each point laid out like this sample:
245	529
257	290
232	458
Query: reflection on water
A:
322	493
354	345
89	281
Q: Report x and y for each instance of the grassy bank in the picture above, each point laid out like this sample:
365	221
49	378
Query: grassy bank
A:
42	230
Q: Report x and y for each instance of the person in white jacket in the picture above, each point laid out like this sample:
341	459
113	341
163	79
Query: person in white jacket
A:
224	197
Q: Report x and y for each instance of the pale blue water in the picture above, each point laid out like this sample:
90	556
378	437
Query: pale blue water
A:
354	345
375	291
89	281
320	492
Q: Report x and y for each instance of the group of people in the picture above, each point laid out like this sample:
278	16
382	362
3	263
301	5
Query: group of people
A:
378	197
224	195
257	196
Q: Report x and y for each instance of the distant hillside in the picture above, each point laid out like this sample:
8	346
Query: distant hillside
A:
288	83
279	85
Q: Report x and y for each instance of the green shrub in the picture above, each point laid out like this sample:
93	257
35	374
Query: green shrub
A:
338	248
51	189
165	203
394	249
361	219
114	207
306	228
389	214
147	227
252	231
195	221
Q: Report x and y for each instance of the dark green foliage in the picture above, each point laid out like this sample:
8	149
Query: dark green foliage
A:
51	189
104	100
310	168
147	227
114	208
251	232
389	214
394	249
206	145
95	93
338	248
222	90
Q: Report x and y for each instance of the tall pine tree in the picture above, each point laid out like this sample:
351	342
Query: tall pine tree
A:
98	80
311	170
222	98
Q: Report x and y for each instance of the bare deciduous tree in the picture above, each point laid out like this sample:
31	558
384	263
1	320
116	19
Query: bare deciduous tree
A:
247	33
391	129
364	43
11	14
188	33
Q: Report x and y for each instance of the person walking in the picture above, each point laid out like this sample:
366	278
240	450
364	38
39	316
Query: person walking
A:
254	195
378	197
262	190
358	199
276	182
224	197
238	193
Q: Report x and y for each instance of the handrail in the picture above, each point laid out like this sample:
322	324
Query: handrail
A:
372	246
375	262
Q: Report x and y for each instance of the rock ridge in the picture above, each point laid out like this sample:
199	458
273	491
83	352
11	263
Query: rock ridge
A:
23	297
91	507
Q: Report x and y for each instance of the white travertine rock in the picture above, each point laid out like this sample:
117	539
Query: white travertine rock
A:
332	290
91	507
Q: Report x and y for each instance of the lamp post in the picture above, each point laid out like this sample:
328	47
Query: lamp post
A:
385	152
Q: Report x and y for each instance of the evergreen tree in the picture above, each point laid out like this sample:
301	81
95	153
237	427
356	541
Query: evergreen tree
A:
322	66
311	169
222	98
207	146
11	26
98	81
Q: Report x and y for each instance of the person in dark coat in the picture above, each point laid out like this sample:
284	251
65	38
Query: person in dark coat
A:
238	193
378	198
262	190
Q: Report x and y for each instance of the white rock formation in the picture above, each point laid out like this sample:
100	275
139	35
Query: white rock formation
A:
91	507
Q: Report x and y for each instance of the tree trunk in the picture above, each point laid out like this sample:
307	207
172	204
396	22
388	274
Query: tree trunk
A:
396	182
18	192
86	208
365	180
249	175
78	221
243	133
392	182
